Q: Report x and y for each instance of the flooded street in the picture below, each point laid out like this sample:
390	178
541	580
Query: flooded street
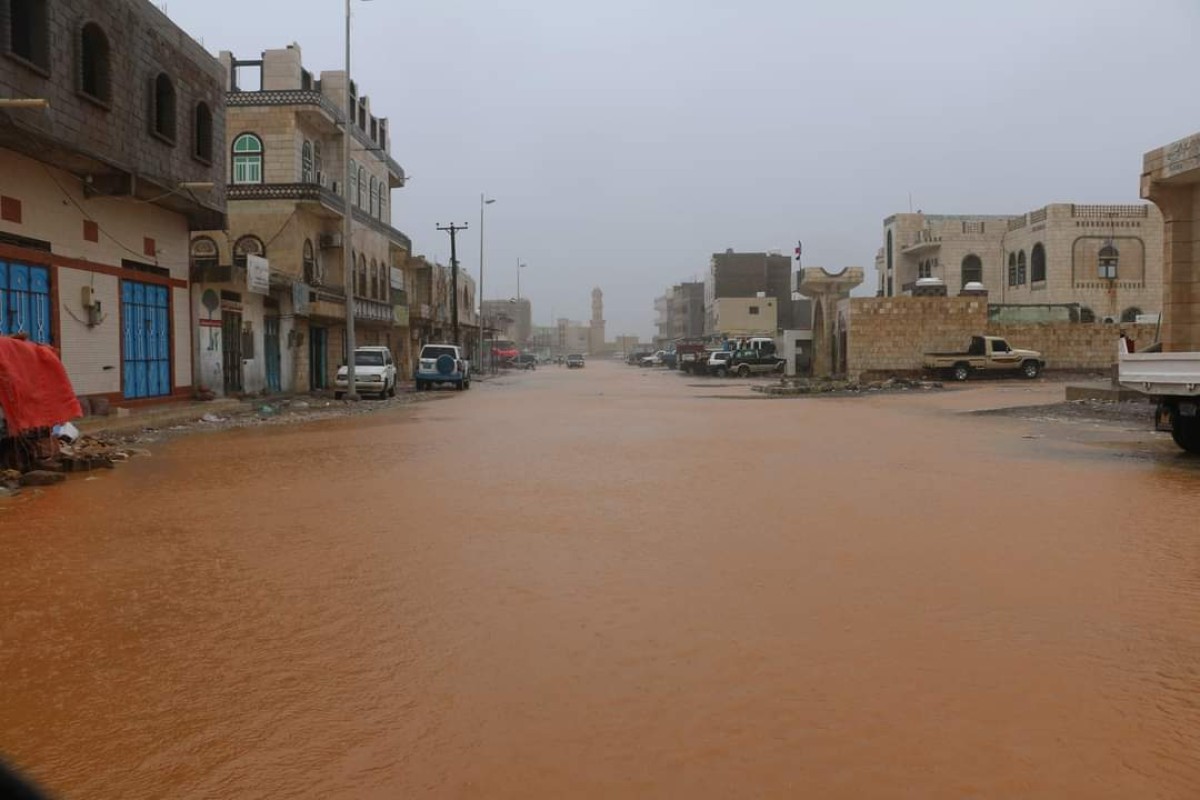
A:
615	583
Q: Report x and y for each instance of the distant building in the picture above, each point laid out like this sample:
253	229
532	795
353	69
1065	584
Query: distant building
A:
100	189
596	343
745	275
513	318
1107	259
626	344
571	336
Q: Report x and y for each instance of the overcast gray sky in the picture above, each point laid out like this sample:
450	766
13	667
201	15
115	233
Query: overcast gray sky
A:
627	140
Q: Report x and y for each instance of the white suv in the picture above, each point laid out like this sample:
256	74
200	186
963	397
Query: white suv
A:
374	373
442	363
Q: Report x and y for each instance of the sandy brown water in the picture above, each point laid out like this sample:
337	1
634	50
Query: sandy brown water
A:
610	583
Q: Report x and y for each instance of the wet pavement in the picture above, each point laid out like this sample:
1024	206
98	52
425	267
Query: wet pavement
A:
615	582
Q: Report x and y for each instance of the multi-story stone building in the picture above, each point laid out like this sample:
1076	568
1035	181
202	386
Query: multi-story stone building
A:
269	292
1107	259
100	186
430	293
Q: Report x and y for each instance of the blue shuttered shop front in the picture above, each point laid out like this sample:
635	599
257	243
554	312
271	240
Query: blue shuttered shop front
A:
25	301
146	340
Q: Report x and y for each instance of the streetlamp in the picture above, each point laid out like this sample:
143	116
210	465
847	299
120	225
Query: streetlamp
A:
483	201
347	226
520	267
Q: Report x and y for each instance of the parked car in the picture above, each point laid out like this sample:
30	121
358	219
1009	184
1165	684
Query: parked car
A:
653	360
525	361
745	363
986	354
635	358
442	363
374	373
575	360
718	362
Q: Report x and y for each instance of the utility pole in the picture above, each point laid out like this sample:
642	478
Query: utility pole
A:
483	202
453	230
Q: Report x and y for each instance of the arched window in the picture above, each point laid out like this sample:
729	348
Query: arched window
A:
247	159
29	31
972	270
164	107
383	201
204	253
362	186
1087	315
1021	268
362	275
353	182
94	71
1131	314
1012	269
1108	262
1037	264
372	197
310	265
317	165
202	133
247	246
306	162
888	293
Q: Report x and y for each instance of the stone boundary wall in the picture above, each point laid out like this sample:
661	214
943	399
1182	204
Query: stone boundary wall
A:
888	336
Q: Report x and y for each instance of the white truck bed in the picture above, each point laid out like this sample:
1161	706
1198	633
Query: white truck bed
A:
1176	374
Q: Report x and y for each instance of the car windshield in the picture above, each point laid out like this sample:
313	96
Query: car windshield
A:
575	357
368	358
437	352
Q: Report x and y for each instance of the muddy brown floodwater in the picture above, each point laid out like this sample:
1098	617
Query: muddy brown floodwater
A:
615	583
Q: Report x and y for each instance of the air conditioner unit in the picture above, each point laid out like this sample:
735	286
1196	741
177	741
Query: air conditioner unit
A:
330	240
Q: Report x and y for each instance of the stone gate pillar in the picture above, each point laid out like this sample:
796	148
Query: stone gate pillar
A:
826	290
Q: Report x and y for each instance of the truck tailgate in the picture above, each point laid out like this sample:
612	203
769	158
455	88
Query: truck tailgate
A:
1160	373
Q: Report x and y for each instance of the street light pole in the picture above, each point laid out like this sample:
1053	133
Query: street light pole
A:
520	267
347	228
482	322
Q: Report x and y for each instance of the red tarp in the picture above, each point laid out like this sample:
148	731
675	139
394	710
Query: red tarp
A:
35	391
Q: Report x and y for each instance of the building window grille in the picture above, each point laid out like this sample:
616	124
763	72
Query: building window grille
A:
1108	260
362	186
372	197
94	69
164	108
1012	269
306	162
25	301
1021	268
247	246
202	130
247	159
1037	264
29	31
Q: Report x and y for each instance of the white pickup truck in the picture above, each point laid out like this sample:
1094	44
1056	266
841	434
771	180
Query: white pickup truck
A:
1173	379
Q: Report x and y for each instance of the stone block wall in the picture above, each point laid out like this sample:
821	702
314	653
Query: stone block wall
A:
889	336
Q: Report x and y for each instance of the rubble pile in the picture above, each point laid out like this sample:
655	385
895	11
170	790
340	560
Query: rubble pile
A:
803	386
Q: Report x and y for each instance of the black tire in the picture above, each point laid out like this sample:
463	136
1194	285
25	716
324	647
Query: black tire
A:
744	371
466	385
722	372
1031	369
1186	432
391	391
960	372
338	395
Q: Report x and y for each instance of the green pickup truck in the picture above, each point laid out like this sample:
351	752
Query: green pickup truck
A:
986	354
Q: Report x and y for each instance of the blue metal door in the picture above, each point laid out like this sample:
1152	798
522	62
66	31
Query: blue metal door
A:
25	301
146	340
271	350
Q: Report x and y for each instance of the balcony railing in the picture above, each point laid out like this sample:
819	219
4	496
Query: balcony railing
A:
314	192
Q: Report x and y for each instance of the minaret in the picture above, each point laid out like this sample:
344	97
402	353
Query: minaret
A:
596	329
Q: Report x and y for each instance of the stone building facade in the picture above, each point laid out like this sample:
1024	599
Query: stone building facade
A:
1171	179
100	189
269	290
1106	259
733	274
